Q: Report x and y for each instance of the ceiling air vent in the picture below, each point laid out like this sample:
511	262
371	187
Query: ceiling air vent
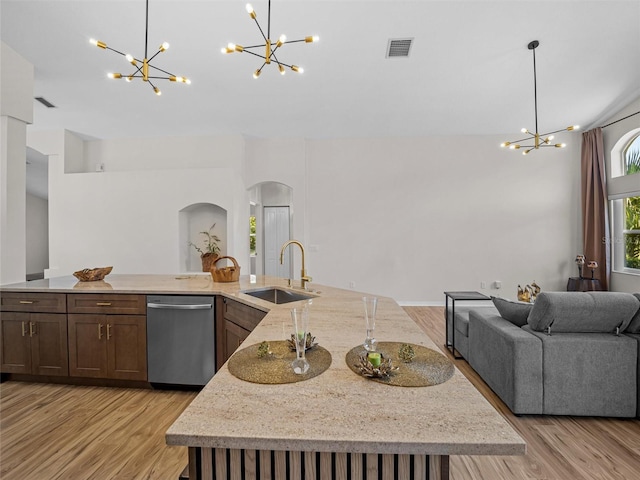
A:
45	102
399	47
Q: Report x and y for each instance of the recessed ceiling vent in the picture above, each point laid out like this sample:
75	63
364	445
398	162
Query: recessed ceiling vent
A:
45	102
399	47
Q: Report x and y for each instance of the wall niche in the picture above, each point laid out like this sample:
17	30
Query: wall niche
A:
192	220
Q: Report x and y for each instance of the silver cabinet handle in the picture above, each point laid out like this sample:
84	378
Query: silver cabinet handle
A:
167	306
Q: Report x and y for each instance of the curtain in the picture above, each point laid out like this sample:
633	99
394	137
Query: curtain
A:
595	218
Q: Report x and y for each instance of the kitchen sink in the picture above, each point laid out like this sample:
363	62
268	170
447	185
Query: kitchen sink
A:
277	295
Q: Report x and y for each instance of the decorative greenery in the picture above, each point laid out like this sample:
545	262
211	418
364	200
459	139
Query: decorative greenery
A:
406	353
632	240
632	162
309	342
210	243
264	349
385	368
252	235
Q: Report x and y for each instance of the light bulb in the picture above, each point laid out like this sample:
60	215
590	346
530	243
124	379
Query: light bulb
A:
114	75
251	11
97	43
523	130
129	78
313	38
256	74
573	127
128	57
561	145
157	90
225	50
163	47
526	152
281	40
187	81
505	144
295	68
282	70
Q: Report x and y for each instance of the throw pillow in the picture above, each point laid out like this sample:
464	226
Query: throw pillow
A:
516	312
634	326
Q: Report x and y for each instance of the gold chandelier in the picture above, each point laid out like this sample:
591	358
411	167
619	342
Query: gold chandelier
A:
539	139
269	47
142	66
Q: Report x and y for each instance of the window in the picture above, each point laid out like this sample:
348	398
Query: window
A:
252	235
625	207
631	157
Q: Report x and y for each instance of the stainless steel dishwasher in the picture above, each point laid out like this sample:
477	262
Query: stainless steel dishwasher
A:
180	339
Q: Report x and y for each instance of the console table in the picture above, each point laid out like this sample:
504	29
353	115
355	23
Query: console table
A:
456	296
581	284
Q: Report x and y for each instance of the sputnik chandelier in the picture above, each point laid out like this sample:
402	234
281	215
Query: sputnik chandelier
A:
268	47
539	139
142	66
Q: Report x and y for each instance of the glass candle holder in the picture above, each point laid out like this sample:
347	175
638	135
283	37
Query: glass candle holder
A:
300	318
370	306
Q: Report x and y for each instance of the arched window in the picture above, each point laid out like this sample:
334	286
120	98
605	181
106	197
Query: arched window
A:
624	196
631	157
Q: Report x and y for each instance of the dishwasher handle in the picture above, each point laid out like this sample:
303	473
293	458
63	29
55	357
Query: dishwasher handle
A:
171	306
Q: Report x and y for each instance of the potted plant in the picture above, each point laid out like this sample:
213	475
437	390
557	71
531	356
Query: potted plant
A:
209	252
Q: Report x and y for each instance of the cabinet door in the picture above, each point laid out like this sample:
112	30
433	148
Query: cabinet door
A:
49	355
88	345
15	343
127	347
234	336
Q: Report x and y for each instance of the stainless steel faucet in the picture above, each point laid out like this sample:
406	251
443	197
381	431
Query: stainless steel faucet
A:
304	278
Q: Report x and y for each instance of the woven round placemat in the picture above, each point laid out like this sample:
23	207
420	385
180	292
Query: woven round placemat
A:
427	368
275	368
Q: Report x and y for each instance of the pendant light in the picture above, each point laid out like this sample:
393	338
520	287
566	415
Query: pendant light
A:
141	67
269	47
539	139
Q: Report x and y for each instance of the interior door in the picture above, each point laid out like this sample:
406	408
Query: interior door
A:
276	233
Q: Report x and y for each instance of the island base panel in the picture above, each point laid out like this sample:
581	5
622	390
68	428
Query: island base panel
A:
240	464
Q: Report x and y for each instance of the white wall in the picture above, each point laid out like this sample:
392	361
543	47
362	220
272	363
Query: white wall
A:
413	217
402	217
37	234
129	218
16	110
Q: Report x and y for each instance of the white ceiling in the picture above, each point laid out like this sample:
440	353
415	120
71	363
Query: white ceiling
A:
469	71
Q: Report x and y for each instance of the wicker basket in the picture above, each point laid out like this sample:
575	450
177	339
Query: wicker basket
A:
225	274
92	275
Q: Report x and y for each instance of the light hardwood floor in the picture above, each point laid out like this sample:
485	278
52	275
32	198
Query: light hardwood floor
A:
66	432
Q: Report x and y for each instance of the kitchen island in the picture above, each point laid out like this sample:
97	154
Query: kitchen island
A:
336	425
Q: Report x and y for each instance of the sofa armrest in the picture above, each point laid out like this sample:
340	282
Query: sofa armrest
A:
508	359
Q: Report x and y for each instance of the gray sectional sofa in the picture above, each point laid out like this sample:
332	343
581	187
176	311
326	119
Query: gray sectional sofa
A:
571	353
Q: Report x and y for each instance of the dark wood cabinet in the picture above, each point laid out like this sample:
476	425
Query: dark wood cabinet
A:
33	337
234	322
103	342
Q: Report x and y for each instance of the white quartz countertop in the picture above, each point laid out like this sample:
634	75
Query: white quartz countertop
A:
337	411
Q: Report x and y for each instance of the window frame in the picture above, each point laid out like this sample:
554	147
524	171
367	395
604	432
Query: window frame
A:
620	187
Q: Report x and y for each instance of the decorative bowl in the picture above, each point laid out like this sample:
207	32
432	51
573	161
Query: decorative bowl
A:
92	274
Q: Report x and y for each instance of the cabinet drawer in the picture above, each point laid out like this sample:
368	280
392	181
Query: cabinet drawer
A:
33	302
107	304
241	314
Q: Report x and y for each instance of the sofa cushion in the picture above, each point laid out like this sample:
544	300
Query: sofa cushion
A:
634	325
516	312
583	311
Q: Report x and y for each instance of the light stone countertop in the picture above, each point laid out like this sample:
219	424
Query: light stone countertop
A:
337	411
